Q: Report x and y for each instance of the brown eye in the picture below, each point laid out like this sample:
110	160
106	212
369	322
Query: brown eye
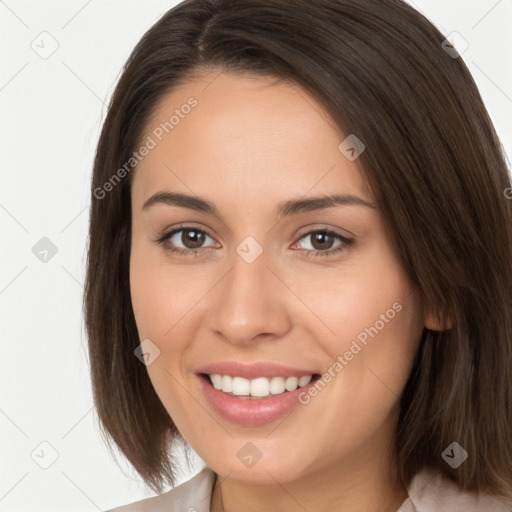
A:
192	238
323	243
186	240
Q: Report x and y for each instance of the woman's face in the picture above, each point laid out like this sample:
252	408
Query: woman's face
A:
263	290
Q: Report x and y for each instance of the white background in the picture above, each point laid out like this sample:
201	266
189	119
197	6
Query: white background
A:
51	114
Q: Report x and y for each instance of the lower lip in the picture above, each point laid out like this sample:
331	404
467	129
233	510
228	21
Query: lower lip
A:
252	412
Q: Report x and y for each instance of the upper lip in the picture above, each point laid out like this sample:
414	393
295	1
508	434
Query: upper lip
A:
253	370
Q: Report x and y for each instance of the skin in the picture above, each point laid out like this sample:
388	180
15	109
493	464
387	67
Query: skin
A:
249	144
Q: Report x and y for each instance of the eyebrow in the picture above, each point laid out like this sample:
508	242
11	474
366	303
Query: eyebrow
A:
286	208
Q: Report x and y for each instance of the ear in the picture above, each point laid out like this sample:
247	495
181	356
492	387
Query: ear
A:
436	322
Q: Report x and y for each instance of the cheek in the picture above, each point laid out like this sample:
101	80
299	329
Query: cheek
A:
369	361
369	315
377	345
163	295
342	301
165	300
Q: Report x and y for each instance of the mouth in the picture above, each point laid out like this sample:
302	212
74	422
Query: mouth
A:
253	395
257	388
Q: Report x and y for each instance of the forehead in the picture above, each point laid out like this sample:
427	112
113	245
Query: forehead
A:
244	136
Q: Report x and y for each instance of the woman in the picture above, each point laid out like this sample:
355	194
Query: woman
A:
300	263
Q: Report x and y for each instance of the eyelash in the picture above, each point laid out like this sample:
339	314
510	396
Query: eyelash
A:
346	242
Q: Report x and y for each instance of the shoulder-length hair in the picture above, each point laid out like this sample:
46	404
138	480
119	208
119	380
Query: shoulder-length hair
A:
438	172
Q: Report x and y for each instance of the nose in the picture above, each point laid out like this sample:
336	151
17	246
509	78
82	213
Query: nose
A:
250	303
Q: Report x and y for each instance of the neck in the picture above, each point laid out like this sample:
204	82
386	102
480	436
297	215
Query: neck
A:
355	486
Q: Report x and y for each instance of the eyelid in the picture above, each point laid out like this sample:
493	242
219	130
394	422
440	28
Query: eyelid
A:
166	234
307	231
345	241
312	228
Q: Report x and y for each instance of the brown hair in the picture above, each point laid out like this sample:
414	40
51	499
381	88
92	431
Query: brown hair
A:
434	163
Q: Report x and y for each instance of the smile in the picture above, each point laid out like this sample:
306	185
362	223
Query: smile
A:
257	388
253	395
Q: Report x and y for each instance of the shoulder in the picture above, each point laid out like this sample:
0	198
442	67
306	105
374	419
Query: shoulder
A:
430	491
194	495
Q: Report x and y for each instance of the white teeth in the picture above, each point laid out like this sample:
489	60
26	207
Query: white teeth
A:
227	384
259	387
305	380
241	386
291	383
277	385
216	380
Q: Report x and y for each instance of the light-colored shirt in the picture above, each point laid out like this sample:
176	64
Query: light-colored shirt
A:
428	492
